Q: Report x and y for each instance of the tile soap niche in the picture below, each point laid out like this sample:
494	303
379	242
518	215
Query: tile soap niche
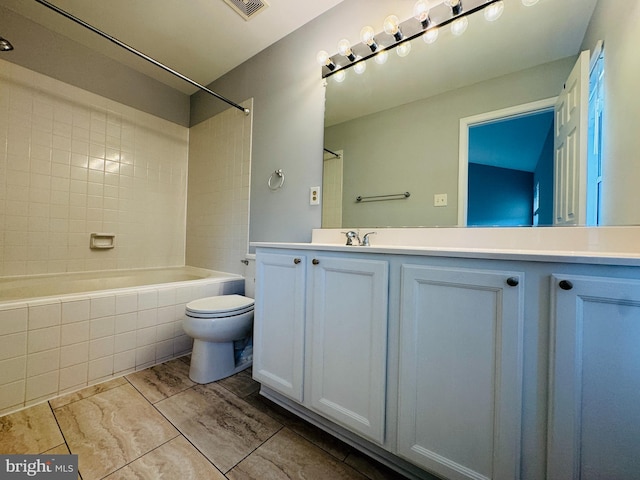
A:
102	241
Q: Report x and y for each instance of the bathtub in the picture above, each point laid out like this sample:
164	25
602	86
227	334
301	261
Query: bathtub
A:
60	333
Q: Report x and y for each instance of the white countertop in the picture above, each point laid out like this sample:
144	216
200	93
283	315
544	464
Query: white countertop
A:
599	245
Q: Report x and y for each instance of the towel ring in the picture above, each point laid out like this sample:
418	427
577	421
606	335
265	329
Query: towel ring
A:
280	175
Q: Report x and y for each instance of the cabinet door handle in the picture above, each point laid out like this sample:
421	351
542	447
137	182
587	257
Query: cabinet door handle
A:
565	285
315	261
296	261
513	281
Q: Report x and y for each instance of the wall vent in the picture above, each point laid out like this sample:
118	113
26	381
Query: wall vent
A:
247	8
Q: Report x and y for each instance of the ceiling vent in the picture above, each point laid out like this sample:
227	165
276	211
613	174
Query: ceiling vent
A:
247	8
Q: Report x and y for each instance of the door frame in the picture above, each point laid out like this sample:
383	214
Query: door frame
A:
487	117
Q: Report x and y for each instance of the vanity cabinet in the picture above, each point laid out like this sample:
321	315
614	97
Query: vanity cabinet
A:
594	411
459	365
326	316
460	368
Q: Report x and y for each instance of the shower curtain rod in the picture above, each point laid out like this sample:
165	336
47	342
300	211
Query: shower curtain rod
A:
140	54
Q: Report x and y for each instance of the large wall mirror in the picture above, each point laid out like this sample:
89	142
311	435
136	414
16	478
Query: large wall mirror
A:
466	125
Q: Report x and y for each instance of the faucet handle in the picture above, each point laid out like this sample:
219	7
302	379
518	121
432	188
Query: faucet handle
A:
365	239
351	235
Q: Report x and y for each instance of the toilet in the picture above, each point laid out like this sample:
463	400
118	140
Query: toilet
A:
221	328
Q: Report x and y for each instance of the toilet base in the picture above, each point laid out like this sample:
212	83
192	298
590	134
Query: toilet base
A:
211	361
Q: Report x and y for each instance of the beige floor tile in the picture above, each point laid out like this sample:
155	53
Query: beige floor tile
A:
30	431
60	450
86	392
315	435
162	381
286	455
222	426
176	459
241	384
110	429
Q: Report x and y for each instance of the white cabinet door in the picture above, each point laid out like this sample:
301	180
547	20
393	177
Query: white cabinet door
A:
460	384
278	327
348	343
594	415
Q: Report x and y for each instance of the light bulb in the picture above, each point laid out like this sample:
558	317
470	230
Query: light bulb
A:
431	35
344	49
403	49
494	11
459	26
391	26
360	67
367	36
529	3
340	76
324	59
421	12
381	57
455	5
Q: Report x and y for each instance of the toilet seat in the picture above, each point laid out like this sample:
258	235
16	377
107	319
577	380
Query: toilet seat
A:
220	306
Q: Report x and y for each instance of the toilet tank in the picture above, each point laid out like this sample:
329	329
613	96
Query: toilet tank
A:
250	277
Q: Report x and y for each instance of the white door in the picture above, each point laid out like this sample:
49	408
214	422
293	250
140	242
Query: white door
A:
594	412
278	325
570	147
460	384
348	343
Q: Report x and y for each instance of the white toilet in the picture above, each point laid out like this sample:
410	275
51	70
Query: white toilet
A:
216	324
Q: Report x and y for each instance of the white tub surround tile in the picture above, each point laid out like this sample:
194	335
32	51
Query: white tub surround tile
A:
82	154
74	333
45	313
76	310
43	362
43	339
14	345
13	320
74	354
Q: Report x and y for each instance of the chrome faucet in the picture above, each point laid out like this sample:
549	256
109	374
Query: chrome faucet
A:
365	239
351	236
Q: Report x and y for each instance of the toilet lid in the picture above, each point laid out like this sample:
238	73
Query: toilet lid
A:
222	304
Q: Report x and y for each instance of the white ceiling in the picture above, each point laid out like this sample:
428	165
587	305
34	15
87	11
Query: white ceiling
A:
202	39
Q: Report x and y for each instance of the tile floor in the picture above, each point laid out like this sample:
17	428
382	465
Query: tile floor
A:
157	423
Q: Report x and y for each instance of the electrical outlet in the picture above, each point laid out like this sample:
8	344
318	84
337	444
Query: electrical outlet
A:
314	196
440	200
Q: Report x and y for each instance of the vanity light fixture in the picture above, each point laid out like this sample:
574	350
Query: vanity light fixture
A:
421	13
344	49
340	76
429	16
455	5
391	26
367	35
